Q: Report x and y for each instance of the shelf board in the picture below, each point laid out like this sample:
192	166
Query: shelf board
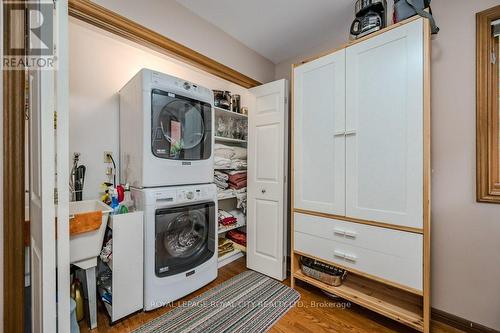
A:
231	227
229	113
396	304
223	139
225	196
230	257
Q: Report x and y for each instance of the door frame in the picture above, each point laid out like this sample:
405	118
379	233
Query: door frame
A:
13	190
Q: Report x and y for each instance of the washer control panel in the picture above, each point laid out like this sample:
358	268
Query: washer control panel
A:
186	194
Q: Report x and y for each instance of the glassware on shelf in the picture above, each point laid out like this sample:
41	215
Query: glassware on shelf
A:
221	126
230	128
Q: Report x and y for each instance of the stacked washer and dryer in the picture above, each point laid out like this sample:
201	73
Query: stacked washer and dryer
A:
166	146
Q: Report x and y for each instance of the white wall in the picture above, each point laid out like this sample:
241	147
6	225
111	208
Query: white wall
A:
465	234
100	65
174	21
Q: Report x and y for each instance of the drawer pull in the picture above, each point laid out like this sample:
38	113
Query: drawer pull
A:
351	257
339	254
346	256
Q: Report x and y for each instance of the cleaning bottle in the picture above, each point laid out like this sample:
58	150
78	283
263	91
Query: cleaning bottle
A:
76	293
115	205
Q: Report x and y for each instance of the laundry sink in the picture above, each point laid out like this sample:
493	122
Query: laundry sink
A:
87	245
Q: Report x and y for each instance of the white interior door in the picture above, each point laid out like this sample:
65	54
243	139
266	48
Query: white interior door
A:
384	122
48	93
42	206
319	141
267	169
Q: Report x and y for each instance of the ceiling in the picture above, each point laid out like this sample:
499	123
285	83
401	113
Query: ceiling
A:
277	29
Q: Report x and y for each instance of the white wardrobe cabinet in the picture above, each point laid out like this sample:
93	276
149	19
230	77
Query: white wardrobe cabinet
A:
319	149
361	170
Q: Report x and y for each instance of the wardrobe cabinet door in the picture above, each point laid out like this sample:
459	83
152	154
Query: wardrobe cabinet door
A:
384	127
319	142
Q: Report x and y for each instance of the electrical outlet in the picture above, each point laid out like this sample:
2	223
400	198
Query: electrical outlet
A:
107	158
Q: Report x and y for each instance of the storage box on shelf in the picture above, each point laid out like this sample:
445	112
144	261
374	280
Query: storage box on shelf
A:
127	251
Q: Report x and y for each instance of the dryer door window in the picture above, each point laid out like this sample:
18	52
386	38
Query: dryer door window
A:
184	238
181	127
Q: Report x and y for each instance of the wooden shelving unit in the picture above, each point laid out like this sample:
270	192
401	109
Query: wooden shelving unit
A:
391	302
227	201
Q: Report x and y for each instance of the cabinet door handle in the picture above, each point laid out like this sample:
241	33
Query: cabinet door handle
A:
339	133
338	232
263	191
351	234
350	132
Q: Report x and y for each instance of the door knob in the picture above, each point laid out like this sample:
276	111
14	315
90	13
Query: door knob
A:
263	191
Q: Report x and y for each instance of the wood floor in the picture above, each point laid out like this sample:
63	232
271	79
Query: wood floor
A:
315	313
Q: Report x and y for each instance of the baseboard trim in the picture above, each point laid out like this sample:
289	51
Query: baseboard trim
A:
460	323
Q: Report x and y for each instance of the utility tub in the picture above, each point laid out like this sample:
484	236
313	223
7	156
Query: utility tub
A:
87	242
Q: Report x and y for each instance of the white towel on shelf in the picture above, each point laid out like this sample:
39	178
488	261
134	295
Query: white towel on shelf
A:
223	151
221	175
230	152
222	163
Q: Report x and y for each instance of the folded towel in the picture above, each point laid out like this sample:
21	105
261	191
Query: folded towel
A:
230	152
240	153
223	151
234	172
238	185
226	218
221	175
222	163
221	184
237	236
237	177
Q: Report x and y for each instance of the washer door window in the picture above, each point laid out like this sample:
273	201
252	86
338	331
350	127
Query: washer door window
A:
185	238
181	127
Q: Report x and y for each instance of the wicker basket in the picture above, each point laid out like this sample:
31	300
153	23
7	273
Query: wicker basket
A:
330	279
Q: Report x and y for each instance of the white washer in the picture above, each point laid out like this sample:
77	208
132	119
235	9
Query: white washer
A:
180	241
166	131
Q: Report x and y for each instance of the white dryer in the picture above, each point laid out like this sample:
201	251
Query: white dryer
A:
166	131
180	241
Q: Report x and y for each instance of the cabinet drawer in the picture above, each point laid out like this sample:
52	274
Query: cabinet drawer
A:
391	242
404	271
